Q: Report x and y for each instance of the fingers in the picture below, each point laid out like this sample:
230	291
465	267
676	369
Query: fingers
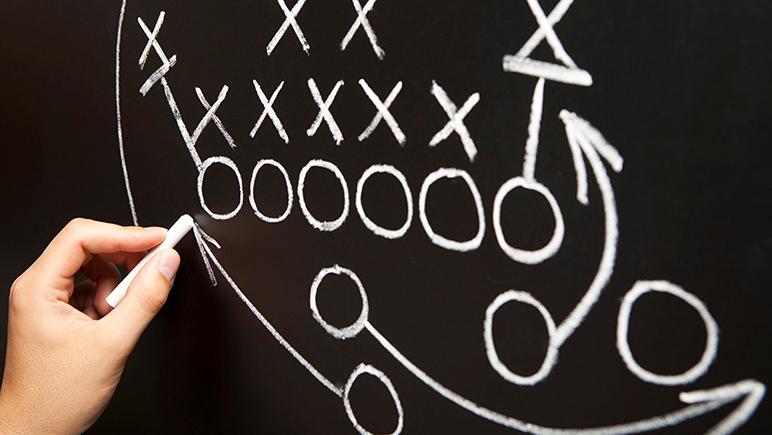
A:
106	277
81	238
145	297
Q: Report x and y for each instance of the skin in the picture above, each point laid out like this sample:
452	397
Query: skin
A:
67	347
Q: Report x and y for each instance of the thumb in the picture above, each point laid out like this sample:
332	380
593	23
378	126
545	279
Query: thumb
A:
144	298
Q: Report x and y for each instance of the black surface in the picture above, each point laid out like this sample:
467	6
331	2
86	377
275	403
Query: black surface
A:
681	89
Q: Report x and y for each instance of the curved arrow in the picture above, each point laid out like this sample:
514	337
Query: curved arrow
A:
587	142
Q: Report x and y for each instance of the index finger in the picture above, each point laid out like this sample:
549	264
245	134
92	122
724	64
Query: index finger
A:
80	239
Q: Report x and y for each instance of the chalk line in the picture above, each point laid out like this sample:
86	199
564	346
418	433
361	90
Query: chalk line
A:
365	23
456	122
593	151
701	402
372	226
288	184
532	144
290	20
383	113
217	121
269	111
623	320
324	111
452	245
272	330
323	225
121	149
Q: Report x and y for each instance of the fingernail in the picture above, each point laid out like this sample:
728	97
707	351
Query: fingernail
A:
168	264
159	230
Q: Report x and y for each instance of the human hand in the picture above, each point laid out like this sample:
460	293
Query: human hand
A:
66	346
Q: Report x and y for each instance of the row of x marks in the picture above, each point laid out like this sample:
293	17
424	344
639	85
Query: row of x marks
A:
455	114
362	21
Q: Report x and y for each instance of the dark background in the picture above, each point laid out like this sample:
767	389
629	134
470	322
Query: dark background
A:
681	89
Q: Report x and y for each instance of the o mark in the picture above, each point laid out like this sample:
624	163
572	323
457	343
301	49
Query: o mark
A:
372	226
353	329
370	370
490	347
520	255
202	173
283	171
711	328
437	239
319	225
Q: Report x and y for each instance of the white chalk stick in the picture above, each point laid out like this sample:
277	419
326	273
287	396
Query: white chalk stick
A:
180	228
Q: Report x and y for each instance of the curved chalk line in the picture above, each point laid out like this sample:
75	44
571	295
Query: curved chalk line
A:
119	123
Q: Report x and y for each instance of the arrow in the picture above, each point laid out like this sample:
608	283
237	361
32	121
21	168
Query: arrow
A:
699	402
585	141
203	240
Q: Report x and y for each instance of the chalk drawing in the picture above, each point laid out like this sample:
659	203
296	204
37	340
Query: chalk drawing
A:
363	21
119	123
711	329
370	370
490	347
320	225
228	163
290	20
586	144
288	209
269	111
355	328
456	122
383	113
453	245
521	255
566	71
534	126
215	118
372	226
324	111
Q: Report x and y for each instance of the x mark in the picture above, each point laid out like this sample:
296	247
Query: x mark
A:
268	111
152	41
383	113
568	72
363	21
456	122
215	118
324	111
289	21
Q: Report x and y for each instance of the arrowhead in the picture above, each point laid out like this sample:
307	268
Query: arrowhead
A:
750	390
201	239
586	140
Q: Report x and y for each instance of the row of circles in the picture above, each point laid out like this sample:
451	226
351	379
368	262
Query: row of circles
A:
520	255
623	321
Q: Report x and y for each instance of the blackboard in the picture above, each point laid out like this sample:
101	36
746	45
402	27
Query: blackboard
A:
626	254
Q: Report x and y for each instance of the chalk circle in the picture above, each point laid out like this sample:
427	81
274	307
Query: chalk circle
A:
521	255
228	163
370	370
353	329
372	226
437	239
490	347
277	165
323	225
711	329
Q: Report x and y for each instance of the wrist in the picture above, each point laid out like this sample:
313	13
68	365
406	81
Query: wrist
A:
12	418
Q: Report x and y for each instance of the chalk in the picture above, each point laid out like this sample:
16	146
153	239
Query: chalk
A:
180	228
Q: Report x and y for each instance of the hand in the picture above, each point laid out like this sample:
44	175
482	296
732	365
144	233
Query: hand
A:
66	347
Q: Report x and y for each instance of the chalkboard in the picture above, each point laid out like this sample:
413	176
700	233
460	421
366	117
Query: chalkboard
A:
436	216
